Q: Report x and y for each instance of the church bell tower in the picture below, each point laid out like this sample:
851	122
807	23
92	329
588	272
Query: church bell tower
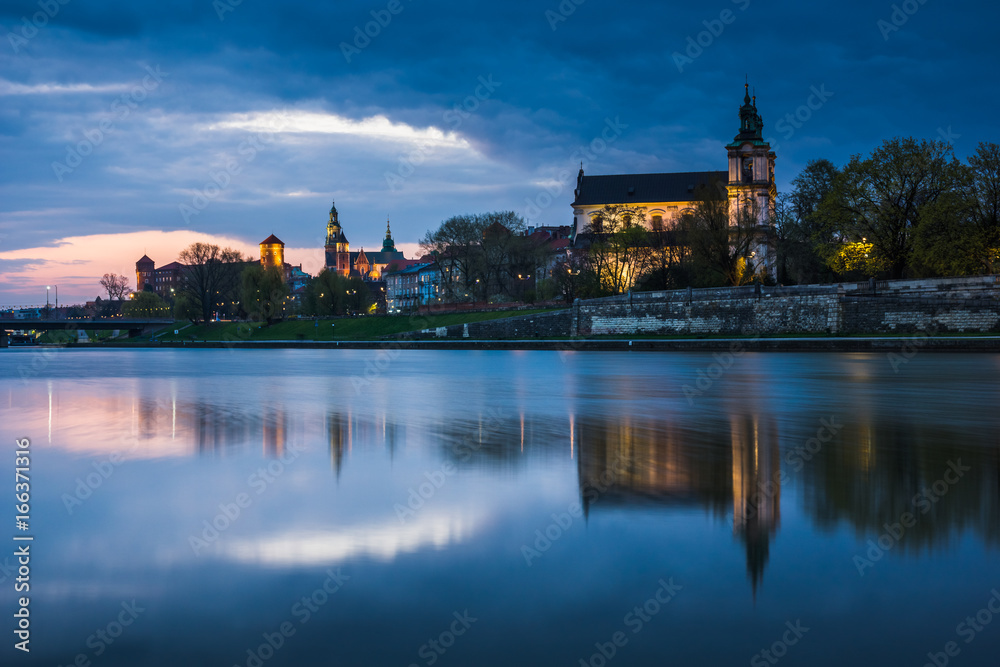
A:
751	187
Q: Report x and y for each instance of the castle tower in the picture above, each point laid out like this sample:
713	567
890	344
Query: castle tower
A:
144	272
338	256
751	187
272	252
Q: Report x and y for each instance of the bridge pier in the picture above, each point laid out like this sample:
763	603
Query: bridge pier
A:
3	338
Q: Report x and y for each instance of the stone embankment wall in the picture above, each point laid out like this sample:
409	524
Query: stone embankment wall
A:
947	305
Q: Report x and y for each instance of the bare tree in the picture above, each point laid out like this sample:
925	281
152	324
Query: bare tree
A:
724	243
212	277
115	285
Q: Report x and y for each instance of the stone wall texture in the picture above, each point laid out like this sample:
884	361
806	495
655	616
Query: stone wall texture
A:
946	305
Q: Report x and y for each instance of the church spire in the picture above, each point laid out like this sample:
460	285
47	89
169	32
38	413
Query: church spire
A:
388	245
751	125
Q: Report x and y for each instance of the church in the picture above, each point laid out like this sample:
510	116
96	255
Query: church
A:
749	182
368	266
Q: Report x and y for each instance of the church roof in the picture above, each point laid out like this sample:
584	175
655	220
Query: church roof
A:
145	260
377	257
272	239
644	188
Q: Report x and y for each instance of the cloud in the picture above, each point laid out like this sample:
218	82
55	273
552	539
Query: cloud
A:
374	127
76	263
10	88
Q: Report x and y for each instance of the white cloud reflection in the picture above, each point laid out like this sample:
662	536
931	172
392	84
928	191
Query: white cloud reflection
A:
382	542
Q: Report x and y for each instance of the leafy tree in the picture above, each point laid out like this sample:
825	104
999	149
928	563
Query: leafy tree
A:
883	198
802	239
185	308
330	294
115	285
621	248
146	304
212	277
858	258
263	292
961	233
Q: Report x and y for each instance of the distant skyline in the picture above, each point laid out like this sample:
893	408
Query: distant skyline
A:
133	127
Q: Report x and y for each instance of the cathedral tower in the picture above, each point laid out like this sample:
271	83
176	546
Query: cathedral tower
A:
338	257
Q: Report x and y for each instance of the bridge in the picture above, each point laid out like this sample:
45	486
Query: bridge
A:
135	326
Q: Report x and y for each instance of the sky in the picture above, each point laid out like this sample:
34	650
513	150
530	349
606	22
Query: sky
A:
132	127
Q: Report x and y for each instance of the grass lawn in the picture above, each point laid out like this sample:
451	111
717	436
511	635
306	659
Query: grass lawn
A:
348	328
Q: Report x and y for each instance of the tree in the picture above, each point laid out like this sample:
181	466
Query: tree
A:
115	285
483	255
146	304
456	245
960	235
723	243
263	292
330	294
185	308
620	248
883	198
211	277
802	240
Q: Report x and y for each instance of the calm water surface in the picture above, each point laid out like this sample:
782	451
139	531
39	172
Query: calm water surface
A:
289	507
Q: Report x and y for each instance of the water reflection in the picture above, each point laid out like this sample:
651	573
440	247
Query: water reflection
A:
634	462
425	486
734	465
948	479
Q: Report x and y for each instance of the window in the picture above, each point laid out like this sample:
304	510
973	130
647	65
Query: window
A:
657	223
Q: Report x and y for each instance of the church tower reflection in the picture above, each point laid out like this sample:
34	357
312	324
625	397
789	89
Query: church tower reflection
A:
338	433
646	461
756	489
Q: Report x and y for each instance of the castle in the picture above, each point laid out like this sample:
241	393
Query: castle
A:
368	266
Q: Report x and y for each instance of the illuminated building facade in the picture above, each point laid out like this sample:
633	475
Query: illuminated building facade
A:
749	182
368	266
272	252
163	281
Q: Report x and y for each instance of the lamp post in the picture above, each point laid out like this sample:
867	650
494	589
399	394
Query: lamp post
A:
47	288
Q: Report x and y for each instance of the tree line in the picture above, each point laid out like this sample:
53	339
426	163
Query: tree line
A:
909	209
224	283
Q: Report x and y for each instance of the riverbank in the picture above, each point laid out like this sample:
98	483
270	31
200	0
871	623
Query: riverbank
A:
884	344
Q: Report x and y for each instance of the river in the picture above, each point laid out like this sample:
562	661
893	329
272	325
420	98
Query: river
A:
363	507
